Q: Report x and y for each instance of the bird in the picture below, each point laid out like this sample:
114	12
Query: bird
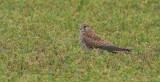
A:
89	40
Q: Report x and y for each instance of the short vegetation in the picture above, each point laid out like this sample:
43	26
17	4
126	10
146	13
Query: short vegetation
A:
39	40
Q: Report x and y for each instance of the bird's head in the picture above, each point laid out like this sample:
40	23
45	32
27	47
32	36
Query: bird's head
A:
85	28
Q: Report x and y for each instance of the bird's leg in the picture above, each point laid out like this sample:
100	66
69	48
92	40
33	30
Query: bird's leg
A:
101	51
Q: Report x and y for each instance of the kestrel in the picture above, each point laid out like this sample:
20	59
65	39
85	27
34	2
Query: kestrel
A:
90	40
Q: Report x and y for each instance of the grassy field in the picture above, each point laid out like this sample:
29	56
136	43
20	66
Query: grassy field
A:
39	40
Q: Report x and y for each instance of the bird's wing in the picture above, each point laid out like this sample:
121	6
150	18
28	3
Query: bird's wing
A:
104	45
92	36
92	40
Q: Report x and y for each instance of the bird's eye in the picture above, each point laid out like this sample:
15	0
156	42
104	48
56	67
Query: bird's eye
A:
85	27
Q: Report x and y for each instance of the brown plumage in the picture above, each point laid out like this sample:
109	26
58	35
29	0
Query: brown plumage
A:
90	40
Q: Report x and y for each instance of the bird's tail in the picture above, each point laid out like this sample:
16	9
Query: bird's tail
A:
112	48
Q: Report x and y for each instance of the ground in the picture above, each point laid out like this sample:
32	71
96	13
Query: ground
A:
39	40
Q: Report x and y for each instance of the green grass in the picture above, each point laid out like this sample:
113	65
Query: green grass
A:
39	40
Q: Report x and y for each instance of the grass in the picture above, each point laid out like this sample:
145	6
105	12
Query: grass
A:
39	40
